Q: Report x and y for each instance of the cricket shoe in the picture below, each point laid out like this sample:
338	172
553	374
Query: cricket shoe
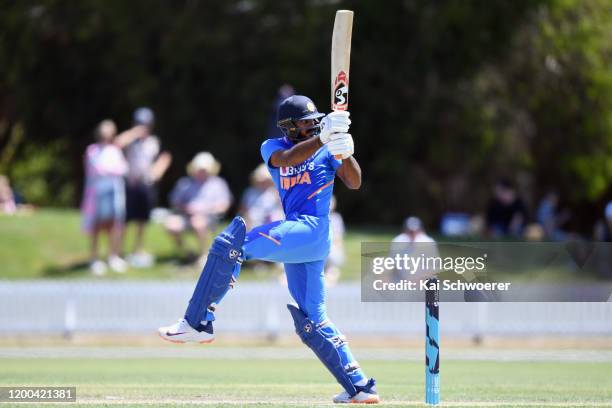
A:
366	394
182	332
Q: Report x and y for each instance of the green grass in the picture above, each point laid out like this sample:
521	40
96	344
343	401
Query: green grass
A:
50	244
166	382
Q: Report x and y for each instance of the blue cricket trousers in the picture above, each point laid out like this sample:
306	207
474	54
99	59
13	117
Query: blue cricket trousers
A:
301	243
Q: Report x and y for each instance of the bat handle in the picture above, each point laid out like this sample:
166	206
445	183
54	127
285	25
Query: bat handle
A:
337	156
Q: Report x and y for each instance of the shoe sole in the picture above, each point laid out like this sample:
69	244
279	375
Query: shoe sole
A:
371	400
183	342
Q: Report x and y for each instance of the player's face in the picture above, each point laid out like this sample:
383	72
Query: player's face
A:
307	128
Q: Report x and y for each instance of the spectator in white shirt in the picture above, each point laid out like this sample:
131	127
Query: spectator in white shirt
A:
147	164
337	256
413	232
414	242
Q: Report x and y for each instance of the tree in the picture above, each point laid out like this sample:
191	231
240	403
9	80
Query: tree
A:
445	96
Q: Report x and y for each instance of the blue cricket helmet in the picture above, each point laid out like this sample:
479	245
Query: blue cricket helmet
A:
294	108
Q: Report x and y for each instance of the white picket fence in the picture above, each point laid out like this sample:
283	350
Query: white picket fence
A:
53	307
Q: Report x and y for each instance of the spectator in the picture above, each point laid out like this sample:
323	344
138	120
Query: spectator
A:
146	166
198	200
336	257
11	202
506	213
8	204
603	233
413	232
534	233
550	218
283	93
260	202
603	229
413	241
103	205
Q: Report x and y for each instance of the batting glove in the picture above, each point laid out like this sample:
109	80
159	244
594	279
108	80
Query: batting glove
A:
335	122
341	145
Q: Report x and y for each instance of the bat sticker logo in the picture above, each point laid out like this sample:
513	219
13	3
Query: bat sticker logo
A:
341	92
341	96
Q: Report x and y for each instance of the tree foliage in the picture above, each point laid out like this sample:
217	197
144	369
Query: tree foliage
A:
445	95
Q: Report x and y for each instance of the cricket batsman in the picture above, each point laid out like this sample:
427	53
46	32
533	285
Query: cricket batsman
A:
303	165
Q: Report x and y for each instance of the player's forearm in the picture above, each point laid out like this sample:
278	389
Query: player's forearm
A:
350	173
297	154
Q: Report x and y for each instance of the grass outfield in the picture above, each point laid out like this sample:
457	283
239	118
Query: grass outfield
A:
50	244
276	383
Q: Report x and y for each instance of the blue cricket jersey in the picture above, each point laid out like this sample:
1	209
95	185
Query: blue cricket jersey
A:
305	189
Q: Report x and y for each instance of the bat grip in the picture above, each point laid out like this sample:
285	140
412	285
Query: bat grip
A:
338	156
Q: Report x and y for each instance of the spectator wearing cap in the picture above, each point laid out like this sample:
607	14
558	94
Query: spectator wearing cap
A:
103	205
146	166
413	232
260	202
198	201
414	241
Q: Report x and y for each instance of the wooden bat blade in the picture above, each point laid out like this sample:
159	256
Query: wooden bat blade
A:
340	59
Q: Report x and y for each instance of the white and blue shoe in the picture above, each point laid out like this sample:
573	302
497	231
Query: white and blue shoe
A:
182	332
366	394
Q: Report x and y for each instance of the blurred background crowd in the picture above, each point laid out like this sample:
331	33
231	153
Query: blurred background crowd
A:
122	171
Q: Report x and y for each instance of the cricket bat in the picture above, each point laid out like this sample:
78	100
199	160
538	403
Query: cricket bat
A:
340	60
